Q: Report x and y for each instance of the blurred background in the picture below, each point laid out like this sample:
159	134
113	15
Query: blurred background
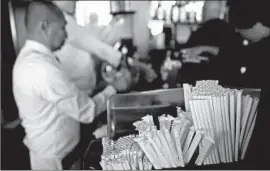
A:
152	18
154	32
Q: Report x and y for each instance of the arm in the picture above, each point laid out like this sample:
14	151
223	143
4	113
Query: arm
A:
81	38
198	50
101	98
68	99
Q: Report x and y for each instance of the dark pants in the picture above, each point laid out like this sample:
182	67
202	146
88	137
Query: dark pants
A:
15	154
86	137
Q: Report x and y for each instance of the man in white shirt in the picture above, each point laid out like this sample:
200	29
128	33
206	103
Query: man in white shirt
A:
82	43
76	54
50	105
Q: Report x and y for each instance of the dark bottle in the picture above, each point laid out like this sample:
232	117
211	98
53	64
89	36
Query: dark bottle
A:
124	61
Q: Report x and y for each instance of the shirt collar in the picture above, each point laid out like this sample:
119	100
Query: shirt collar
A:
38	47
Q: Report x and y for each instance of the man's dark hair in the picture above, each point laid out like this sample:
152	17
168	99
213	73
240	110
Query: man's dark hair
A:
31	11
245	14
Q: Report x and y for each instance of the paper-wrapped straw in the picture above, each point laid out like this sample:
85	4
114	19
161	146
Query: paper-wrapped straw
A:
197	114
150	153
232	119
194	116
184	131
149	119
166	148
176	138
251	117
248	105
162	159
212	116
189	139
246	141
208	113
204	121
205	150
224	133
223	123
127	165
204	107
187	95
193	146
140	160
219	124
238	122
228	127
165	121
102	164
171	146
135	160
158	143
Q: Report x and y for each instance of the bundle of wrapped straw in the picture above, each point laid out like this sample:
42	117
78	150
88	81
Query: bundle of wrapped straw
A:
218	121
227	115
124	154
175	143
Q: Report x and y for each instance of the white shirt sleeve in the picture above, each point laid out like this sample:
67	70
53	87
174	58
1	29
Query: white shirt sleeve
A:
53	86
101	98
81	38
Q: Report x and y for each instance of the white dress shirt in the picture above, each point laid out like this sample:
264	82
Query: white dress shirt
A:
81	38
76	58
79	66
49	104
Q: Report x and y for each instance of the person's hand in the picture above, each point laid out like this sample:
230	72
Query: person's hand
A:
194	59
193	55
122	81
101	132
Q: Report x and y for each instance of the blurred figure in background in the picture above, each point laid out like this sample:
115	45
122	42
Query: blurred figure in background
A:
86	43
50	105
251	19
252	22
202	47
213	10
76	54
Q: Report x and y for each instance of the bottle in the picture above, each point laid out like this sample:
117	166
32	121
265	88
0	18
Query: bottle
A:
166	67
175	12
168	60
124	62
182	12
160	13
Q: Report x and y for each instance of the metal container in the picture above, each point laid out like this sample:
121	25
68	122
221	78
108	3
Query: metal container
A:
124	109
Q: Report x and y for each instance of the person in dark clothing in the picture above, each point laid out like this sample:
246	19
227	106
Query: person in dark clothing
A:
256	27
252	22
231	62
212	35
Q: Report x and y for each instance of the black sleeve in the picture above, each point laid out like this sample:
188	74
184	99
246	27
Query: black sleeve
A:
215	32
